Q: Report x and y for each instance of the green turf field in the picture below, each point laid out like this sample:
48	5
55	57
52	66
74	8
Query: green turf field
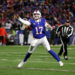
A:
40	63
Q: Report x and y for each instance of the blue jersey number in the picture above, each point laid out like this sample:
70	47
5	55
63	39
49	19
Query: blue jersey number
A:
37	30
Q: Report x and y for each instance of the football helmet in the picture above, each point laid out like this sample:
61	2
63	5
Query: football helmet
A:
36	14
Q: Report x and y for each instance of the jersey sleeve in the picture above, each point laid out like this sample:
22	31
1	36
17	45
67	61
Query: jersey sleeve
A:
24	21
71	31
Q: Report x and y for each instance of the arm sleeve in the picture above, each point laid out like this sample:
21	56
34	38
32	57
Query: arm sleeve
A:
58	31
71	32
59	28
24	21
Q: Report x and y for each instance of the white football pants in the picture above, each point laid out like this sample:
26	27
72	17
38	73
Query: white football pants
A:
43	41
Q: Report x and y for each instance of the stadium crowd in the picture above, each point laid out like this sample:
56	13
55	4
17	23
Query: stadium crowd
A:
55	11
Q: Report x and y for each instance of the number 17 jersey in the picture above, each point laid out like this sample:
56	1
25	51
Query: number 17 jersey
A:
38	28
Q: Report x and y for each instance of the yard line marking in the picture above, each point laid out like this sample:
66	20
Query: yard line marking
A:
38	69
45	69
67	48
48	62
42	55
35	61
56	47
50	57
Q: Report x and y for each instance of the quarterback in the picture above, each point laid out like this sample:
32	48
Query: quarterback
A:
38	26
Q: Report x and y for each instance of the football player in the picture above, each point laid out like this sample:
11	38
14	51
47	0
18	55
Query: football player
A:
38	25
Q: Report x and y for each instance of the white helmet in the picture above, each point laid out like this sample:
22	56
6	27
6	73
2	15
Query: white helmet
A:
36	14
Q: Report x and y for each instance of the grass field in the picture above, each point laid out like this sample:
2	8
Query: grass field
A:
40	63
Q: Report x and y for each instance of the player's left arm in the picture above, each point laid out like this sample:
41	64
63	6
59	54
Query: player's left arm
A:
47	25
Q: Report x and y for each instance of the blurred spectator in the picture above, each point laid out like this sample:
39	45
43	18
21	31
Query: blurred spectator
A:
52	10
26	33
53	35
8	26
3	35
59	23
48	35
